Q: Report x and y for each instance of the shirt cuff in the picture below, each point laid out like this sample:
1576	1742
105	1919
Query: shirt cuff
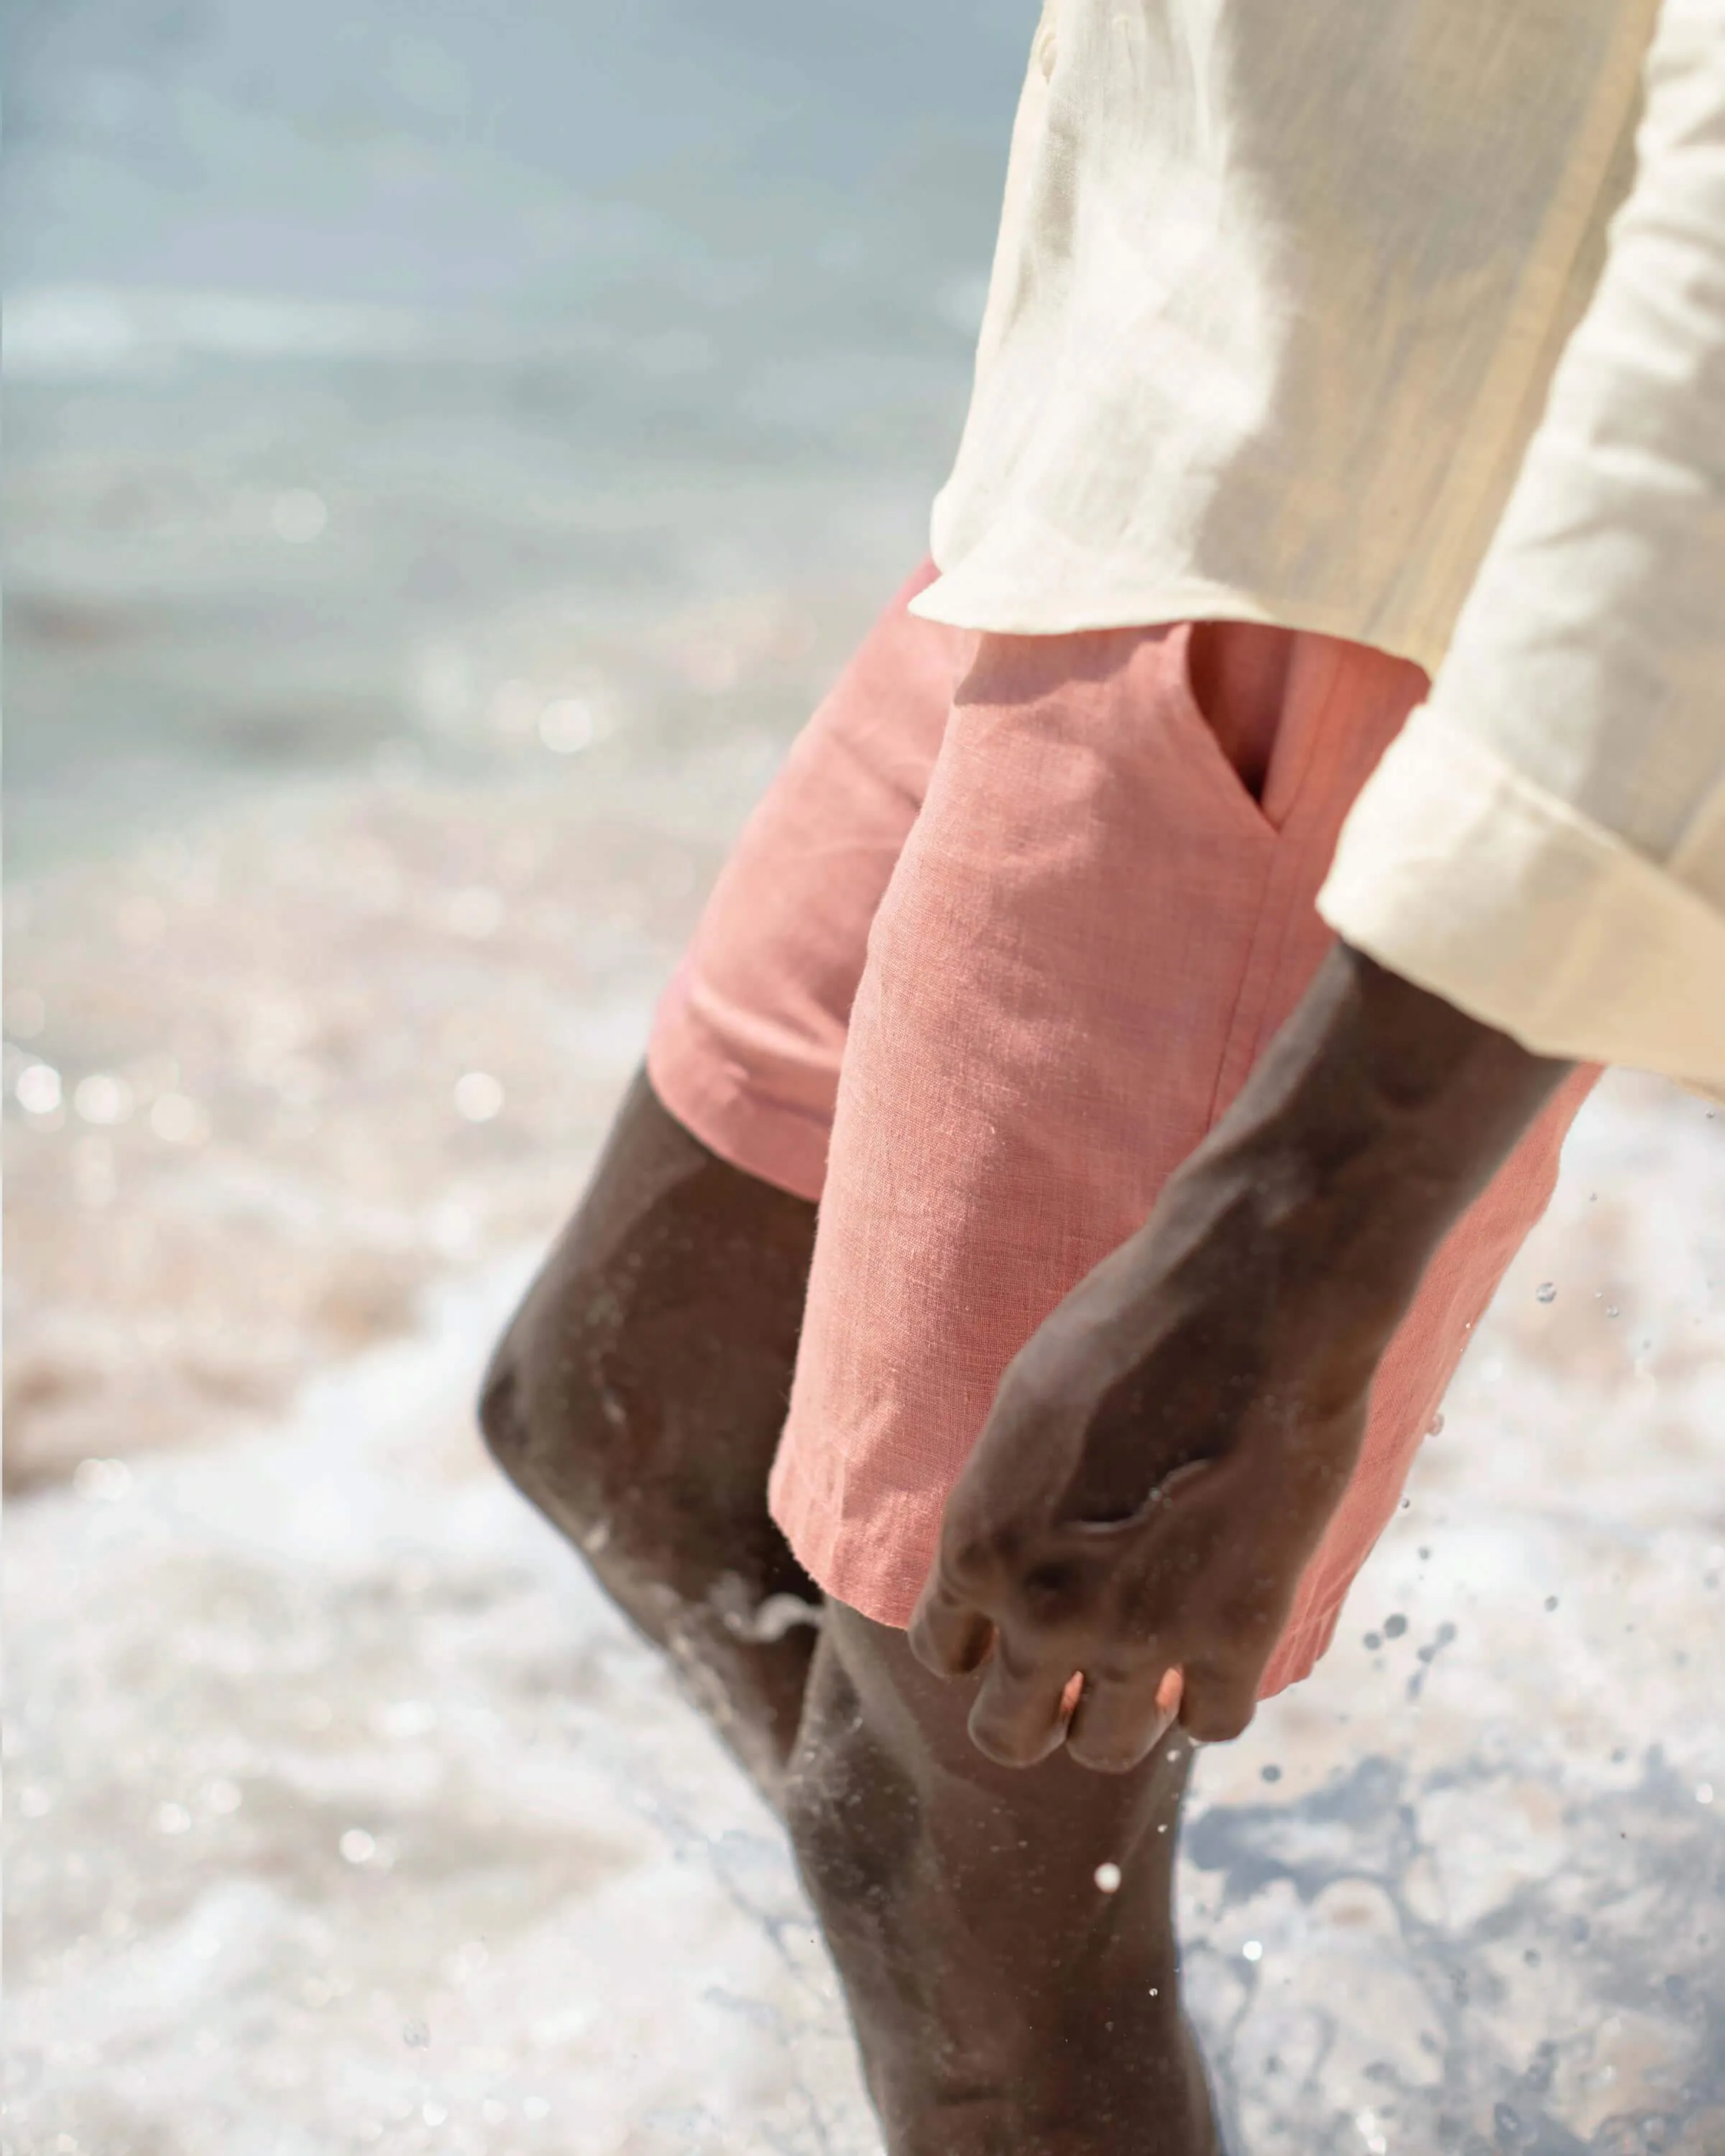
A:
1458	872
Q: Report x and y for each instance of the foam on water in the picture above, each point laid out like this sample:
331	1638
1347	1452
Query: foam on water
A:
346	1816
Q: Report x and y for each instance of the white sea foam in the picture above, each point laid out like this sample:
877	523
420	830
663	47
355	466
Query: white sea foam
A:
320	1737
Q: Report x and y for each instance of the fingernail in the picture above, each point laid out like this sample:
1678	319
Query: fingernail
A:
1168	1693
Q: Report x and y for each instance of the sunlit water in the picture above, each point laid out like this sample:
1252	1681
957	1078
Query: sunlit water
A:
378	376
425	530
346	1817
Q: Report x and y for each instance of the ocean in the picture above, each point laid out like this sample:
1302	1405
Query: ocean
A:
449	450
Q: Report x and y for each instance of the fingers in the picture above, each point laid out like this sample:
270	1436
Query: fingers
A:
1119	1722
949	1637
1018	1715
1219	1700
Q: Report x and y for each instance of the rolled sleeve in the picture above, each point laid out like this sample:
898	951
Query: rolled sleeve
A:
1545	845
1458	872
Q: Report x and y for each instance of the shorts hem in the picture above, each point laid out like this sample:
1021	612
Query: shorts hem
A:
716	1101
882	1591
857	1562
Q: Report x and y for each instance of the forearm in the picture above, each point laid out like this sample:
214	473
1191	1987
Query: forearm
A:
1165	1453
1377	1114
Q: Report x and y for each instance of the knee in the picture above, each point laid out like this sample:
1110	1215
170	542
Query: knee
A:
540	1406
559	1406
501	1420
513	1429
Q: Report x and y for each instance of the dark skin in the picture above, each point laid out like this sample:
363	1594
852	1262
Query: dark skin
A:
636	1400
1162	1457
1160	1463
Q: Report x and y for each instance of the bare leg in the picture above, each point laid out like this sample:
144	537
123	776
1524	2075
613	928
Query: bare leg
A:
1006	2003
637	1398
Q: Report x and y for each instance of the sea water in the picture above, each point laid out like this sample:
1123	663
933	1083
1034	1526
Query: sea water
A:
449	453
346	1816
362	361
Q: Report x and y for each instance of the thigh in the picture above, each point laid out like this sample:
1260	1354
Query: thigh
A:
645	1377
638	1395
749	1037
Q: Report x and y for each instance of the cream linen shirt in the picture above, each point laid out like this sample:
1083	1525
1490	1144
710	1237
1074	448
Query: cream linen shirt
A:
1404	322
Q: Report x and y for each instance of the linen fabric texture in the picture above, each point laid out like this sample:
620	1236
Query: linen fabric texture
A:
1405	324
997	948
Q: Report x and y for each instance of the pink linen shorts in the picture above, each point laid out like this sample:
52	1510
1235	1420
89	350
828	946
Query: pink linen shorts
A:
997	948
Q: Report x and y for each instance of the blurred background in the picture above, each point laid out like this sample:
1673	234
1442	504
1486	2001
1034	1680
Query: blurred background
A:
450	448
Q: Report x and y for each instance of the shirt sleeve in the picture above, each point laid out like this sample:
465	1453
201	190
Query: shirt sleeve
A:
1544	845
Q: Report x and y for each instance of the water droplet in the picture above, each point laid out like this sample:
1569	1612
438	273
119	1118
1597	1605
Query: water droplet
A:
1434	1427
1374	1641
172	1818
415	2035
432	2113
357	1846
1270	1773
478	1096
1611	1310
38	1089
1551	1601
1108	1878
1546	1291
566	726
1394	1627
1253	1950
1703	1792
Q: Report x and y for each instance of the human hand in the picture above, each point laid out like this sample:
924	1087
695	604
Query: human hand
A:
1159	1463
1162	1456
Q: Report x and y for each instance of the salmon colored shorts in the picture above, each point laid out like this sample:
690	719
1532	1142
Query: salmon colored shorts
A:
997	948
